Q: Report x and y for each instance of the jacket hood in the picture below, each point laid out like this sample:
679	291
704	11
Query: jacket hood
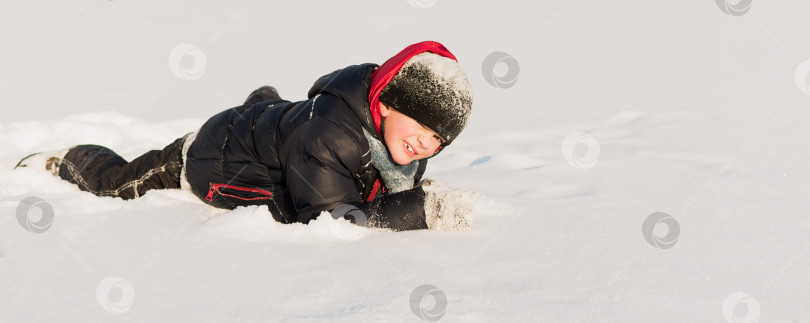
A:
343	83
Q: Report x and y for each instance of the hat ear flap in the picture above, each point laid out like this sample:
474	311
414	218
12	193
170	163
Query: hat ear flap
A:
384	110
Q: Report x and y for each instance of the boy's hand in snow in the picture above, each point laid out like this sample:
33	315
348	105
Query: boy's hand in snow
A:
446	208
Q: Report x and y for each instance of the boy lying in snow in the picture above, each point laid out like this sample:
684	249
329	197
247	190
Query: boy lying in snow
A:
361	140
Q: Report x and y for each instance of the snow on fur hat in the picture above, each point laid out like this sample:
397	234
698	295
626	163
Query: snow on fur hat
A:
426	83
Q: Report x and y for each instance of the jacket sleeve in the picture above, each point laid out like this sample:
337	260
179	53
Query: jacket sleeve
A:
400	211
319	163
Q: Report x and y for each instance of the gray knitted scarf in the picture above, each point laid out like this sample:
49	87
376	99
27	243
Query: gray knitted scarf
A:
397	177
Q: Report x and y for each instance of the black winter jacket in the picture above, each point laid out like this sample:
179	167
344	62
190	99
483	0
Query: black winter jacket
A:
300	158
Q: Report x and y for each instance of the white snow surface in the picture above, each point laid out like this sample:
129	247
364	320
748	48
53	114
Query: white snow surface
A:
663	106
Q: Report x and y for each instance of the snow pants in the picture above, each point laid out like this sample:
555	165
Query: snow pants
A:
99	170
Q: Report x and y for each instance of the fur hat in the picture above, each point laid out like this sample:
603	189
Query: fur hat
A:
434	91
425	82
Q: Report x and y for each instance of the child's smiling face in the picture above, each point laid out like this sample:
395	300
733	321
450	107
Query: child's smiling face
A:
407	140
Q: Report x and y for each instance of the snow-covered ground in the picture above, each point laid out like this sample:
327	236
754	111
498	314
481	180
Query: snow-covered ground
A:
674	112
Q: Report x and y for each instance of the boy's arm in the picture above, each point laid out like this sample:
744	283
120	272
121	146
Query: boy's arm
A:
400	211
318	163
429	206
320	159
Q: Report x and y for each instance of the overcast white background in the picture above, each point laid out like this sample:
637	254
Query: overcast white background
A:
620	109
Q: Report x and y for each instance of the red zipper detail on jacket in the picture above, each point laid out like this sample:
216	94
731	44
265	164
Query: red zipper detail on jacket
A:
374	190
216	186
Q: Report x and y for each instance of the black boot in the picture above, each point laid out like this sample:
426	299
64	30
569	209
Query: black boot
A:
48	161
263	94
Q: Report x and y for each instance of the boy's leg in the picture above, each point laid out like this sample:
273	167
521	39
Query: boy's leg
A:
101	171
